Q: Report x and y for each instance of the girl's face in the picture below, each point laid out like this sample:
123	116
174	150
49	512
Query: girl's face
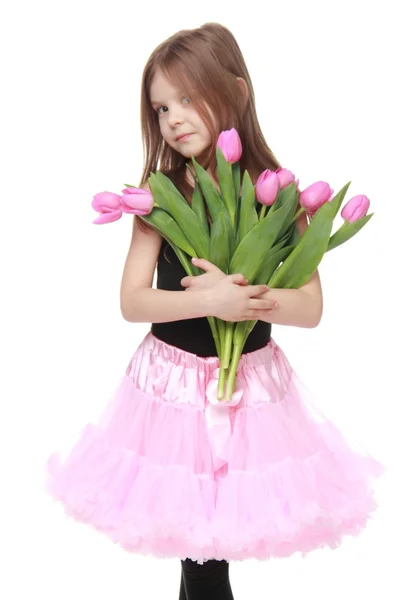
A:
180	125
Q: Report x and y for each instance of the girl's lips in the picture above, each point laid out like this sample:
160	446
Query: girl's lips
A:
183	137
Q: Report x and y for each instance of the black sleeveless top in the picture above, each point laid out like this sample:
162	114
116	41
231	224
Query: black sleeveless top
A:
194	335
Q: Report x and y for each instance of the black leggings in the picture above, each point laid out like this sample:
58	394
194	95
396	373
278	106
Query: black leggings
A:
209	581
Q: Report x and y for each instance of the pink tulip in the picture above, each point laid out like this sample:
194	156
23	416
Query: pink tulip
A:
356	208
315	195
109	207
267	187
136	201
230	144
285	177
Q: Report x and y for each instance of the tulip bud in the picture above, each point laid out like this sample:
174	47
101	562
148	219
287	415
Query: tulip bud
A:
267	187
108	205
136	201
356	208
315	195
230	144
285	177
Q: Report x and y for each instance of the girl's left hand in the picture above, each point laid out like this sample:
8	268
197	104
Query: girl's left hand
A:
211	276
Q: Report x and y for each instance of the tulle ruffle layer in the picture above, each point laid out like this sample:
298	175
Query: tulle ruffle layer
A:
145	474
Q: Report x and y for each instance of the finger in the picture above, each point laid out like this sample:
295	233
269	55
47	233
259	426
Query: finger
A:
265	303
255	304
270	304
255	290
204	264
237	278
186	281
266	289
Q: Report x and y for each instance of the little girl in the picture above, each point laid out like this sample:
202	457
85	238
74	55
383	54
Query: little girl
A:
153	473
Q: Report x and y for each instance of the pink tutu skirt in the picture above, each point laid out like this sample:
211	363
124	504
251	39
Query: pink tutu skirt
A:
166	471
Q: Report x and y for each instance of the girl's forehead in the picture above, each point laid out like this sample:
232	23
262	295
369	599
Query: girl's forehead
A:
162	84
174	83
160	78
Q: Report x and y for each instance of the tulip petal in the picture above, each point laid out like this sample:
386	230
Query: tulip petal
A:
138	200
230	144
356	208
267	187
107	200
108	217
315	195
285	177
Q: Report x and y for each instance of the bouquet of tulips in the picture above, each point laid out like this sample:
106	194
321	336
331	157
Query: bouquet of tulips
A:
253	230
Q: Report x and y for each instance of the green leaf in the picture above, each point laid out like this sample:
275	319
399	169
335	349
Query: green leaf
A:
199	208
288	238
346	231
213	199
236	181
172	201
337	200
301	263
226	185
285	195
247	210
252	251
219	242
294	236
169	229
273	260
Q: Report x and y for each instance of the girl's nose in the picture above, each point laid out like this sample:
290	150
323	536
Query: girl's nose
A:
175	117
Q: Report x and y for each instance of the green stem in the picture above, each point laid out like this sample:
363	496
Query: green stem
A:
227	347
240	340
299	212
215	333
262	212
230	384
221	383
221	326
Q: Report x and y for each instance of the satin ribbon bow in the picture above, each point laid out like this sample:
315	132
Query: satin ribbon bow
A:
218	420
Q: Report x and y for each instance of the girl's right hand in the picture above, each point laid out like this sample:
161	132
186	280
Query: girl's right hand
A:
230	300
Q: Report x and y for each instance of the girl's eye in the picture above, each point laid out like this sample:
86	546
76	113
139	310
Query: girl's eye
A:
159	108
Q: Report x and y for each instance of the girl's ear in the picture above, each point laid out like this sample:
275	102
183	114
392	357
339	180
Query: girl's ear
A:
243	87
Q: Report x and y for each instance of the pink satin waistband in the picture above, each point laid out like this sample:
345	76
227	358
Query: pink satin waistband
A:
173	375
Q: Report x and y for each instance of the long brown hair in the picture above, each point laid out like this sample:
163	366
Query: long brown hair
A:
204	63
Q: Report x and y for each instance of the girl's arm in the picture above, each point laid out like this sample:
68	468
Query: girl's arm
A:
302	307
150	305
139	301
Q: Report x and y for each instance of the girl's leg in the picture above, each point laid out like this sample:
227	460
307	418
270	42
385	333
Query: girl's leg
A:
209	581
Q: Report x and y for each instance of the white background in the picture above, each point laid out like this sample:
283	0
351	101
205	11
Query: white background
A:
326	81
